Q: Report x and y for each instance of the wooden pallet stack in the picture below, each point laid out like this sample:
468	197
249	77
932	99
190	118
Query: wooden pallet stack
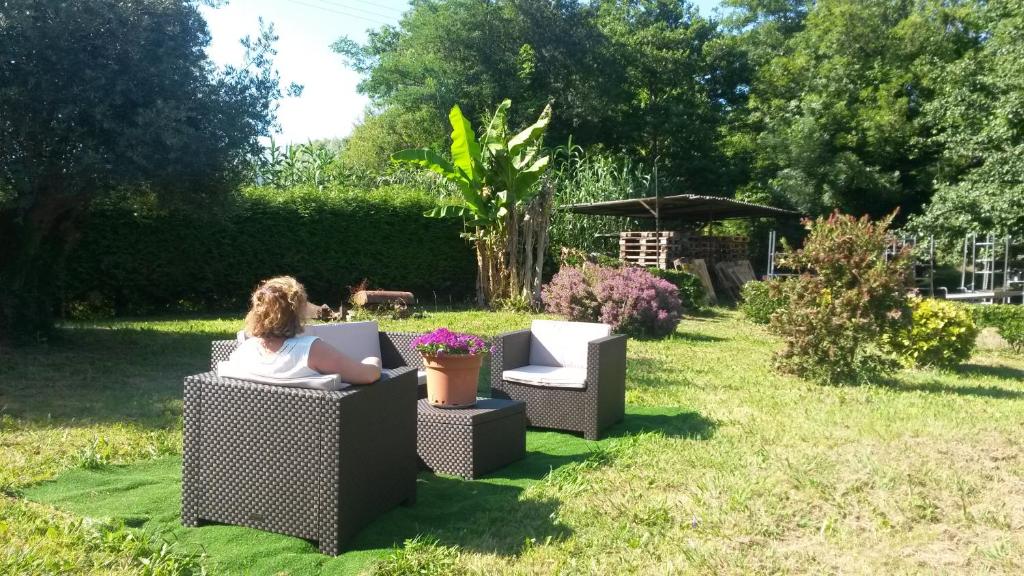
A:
715	248
654	249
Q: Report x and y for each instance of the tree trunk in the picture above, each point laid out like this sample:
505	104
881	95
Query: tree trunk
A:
512	251
483	269
35	245
529	234
541	226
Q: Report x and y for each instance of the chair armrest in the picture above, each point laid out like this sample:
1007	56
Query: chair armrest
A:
394	374
608	348
221	350
606	360
396	350
508	350
606	377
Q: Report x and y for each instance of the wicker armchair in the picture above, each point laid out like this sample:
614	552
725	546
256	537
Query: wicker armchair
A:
572	375
316	464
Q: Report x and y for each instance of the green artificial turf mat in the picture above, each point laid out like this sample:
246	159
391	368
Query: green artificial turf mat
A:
486	515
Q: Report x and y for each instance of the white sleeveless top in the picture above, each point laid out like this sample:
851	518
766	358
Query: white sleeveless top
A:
290	361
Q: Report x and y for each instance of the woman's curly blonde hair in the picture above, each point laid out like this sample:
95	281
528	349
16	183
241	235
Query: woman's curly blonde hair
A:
276	309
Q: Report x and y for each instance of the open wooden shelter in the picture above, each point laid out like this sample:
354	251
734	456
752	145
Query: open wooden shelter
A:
675	240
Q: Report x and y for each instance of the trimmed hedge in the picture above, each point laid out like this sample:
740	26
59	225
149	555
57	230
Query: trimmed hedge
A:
127	263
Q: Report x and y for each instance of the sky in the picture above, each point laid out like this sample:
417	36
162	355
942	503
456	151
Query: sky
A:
329	105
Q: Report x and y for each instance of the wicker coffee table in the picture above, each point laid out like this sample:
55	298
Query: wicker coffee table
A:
470	442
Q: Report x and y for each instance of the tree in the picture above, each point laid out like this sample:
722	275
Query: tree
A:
673	97
475	54
977	119
505	210
368	149
837	118
105	97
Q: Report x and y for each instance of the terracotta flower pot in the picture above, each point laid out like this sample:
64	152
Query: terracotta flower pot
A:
452	379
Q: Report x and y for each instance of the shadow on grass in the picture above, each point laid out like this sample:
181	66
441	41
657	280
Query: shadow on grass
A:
487	516
1007	372
696	337
674	424
97	375
939	388
706	313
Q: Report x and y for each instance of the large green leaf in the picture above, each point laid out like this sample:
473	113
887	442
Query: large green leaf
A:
427	158
532	134
526	179
493	136
445	211
465	149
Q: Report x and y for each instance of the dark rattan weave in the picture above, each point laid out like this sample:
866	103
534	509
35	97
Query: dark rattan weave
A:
589	410
470	442
396	351
314	464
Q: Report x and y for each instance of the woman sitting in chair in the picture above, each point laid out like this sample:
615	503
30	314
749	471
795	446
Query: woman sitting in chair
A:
274	348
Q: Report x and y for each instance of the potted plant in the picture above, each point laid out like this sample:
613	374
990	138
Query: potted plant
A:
452	361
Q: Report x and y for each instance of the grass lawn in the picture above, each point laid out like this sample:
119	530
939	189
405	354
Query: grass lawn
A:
721	467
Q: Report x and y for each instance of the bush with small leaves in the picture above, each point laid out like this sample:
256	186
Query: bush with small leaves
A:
848	296
691	291
630	299
758	301
941	334
1007	319
570	294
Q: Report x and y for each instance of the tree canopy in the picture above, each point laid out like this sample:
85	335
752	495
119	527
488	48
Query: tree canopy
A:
111	96
862	105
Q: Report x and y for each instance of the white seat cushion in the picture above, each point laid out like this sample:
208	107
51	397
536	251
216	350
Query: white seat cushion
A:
553	376
558	343
357	340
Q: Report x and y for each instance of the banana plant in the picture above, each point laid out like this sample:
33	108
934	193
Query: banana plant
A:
496	175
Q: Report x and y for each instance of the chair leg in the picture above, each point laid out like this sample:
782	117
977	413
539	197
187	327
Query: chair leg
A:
329	547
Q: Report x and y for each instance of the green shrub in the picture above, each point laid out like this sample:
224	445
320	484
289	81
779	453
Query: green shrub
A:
940	334
135	262
847	297
691	291
1007	318
758	301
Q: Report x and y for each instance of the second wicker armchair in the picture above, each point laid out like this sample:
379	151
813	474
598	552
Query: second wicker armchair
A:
572	375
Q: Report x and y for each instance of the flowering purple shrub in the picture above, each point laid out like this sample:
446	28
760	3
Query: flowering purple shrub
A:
629	299
570	294
443	341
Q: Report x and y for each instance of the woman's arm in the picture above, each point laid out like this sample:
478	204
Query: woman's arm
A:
325	359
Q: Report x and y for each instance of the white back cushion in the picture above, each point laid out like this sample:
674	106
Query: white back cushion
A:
357	340
558	343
